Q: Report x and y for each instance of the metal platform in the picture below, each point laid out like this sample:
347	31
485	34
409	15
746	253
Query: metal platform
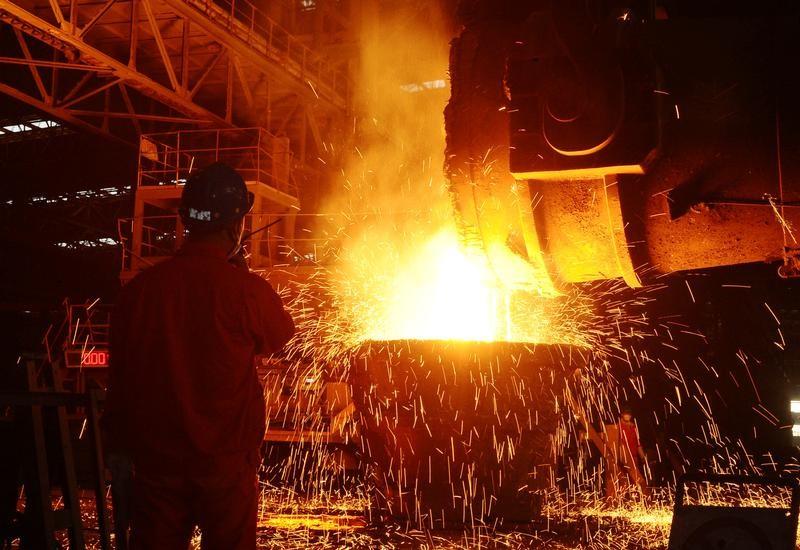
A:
167	160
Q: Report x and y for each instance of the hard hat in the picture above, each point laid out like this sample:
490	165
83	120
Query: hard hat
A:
214	196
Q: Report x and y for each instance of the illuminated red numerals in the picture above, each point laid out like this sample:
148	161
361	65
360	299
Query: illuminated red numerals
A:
94	358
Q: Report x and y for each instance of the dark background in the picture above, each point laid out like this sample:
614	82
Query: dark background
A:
36	276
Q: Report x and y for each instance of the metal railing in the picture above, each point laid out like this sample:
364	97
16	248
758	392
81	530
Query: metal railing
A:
168	159
88	325
254	27
275	246
268	248
88	335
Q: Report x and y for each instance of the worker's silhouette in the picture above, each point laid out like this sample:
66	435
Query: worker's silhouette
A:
185	403
623	454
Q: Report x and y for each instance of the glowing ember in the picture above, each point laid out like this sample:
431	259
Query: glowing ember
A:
313	522
437	291
440	294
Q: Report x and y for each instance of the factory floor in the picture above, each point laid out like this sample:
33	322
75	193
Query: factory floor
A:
589	528
289	522
336	519
605	534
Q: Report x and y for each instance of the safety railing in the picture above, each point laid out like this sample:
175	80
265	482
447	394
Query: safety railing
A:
245	21
87	340
162	236
273	240
168	159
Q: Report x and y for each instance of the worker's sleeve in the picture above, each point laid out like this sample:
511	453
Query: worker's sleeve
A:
112	422
271	325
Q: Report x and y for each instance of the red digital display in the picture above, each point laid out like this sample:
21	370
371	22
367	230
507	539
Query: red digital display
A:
94	359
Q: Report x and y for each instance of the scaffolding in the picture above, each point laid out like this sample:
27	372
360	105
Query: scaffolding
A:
167	160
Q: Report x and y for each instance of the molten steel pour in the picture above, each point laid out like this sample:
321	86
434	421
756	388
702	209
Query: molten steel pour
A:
435	288
441	294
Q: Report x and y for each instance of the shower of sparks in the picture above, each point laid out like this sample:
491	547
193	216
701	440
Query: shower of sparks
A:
517	399
442	291
453	367
500	404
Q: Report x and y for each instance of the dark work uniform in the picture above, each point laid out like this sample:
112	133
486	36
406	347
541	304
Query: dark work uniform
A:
185	403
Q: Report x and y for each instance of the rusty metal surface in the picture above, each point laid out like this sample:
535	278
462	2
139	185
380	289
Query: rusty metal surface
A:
493	209
580	225
708	120
459	432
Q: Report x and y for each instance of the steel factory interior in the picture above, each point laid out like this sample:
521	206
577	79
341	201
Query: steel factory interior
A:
399	274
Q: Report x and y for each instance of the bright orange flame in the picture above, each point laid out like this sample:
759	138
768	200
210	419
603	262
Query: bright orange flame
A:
439	294
418	287
402	269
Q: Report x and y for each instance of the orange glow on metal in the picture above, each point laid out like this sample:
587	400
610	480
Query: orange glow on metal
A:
442	291
313	522
404	269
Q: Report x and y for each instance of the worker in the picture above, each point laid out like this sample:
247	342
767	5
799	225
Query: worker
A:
625	455
185	403
622	453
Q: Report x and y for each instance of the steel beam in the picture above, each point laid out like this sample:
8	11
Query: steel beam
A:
56	112
34	70
57	12
137	116
134	27
78	87
49	64
277	71
206	71
67	104
162	49
88	26
35	26
248	95
103	38
129	106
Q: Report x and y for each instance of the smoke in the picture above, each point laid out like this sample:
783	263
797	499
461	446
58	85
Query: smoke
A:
400	91
393	198
400	269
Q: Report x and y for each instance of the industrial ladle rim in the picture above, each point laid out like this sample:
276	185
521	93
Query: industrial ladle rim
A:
641	206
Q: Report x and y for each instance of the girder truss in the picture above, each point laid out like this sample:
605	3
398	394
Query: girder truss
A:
126	67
